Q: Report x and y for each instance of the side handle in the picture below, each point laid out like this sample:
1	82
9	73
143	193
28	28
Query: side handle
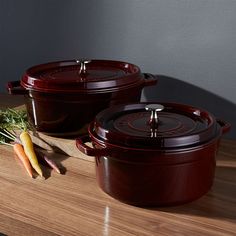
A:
225	126
150	79
15	88
87	150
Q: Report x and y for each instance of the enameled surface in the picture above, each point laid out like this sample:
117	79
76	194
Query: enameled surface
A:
73	204
178	125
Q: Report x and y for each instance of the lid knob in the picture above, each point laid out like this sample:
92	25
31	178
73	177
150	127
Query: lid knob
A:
82	63
154	108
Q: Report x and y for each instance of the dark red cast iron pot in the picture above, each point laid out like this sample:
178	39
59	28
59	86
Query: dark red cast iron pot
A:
152	154
63	97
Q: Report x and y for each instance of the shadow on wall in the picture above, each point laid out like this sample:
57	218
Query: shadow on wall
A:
170	89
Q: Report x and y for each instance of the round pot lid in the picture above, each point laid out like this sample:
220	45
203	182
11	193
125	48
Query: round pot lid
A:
89	76
145	125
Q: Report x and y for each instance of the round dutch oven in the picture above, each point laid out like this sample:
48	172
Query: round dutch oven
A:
63	97
154	154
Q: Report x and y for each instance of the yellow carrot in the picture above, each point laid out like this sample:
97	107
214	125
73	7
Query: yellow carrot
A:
29	151
19	150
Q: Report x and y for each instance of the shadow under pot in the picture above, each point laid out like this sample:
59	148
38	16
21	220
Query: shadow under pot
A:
154	154
63	97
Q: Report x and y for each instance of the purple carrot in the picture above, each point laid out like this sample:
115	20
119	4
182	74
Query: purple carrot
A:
45	160
52	164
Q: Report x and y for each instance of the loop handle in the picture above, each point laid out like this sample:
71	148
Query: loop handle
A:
87	150
15	88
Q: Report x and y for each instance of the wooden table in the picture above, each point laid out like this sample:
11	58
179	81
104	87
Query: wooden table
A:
73	204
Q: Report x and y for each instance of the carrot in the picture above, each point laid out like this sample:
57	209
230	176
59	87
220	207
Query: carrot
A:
52	164
29	151
46	160
19	150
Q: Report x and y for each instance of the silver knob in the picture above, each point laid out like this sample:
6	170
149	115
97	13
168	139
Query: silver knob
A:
82	63
154	108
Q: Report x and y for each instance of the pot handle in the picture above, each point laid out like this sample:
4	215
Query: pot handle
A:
15	88
225	126
150	79
89	151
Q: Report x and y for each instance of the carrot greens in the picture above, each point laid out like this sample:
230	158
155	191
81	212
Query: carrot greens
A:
11	119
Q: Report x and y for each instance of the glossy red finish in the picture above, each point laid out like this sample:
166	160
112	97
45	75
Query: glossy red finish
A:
153	175
70	114
174	178
179	125
65	77
61	101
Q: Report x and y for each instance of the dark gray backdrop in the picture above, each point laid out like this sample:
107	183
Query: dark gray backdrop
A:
191	44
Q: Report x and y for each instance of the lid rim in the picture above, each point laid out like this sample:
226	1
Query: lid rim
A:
64	76
139	83
147	148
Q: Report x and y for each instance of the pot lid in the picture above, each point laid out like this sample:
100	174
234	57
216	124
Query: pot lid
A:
89	76
164	125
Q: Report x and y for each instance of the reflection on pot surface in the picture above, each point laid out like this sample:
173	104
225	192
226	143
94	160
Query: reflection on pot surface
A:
62	97
154	154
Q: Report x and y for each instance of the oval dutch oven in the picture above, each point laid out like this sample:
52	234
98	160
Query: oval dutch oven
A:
63	97
154	154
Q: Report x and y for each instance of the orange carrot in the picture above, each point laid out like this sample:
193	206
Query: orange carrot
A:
19	150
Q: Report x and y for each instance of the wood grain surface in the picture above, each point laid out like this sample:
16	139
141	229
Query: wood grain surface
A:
61	145
73	204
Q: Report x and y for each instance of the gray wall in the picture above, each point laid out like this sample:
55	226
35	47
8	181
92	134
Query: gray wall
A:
191	43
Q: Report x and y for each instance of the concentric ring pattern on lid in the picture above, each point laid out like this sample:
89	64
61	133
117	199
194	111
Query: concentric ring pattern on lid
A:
85	76
137	126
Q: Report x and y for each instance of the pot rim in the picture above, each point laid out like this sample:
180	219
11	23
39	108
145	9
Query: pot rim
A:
140	156
82	91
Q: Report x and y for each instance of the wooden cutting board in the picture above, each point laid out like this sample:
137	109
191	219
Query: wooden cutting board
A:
61	145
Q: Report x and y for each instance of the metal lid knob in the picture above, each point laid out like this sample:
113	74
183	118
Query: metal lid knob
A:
82	63
154	108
